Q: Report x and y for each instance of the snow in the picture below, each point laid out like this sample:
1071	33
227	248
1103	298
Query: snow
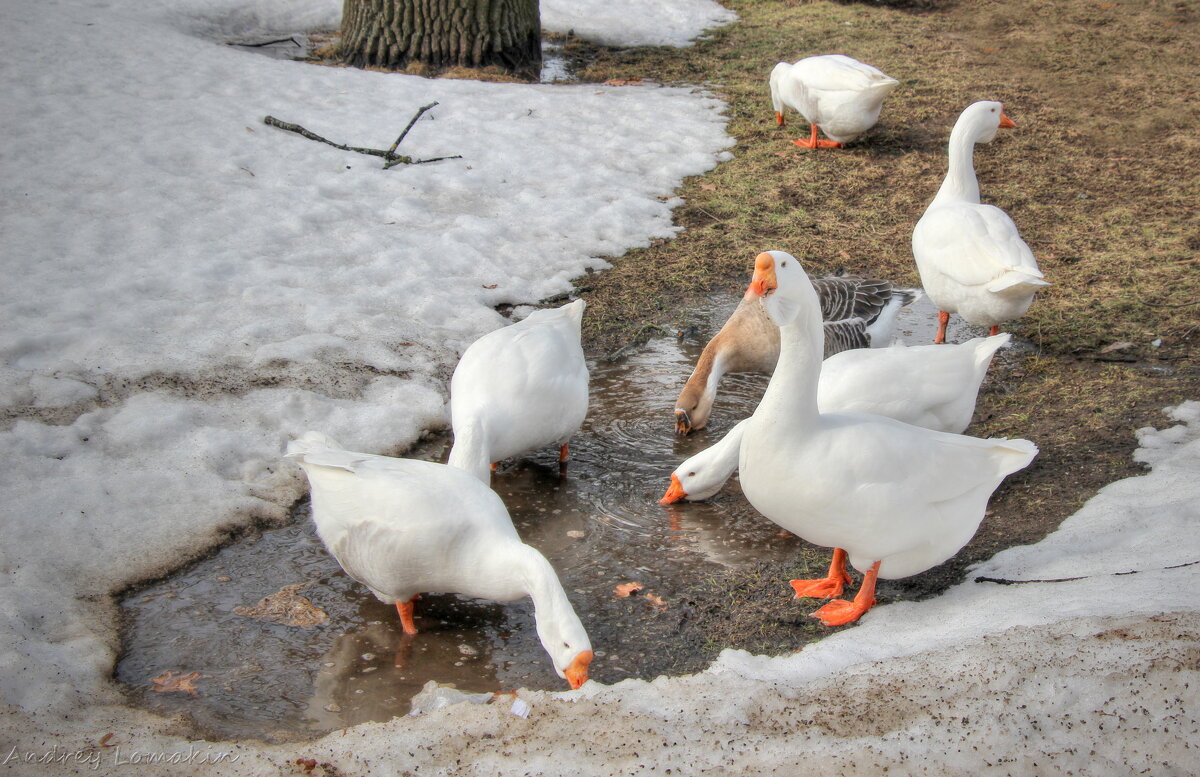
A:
634	22
187	288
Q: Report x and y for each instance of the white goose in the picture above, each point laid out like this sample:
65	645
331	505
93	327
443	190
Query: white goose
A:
894	499
933	386
970	256
840	95
402	526
519	388
856	313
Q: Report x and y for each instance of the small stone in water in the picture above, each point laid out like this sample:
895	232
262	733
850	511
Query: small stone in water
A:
333	708
467	650
367	656
575	534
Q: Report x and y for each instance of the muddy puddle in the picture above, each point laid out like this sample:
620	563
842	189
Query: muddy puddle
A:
600	526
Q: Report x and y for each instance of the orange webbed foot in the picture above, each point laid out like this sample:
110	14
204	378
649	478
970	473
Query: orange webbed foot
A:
814	142
829	586
822	588
819	144
840	612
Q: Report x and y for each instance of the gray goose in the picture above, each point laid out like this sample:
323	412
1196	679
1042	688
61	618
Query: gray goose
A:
856	312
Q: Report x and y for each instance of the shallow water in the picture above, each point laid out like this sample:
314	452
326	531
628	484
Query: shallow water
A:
600	526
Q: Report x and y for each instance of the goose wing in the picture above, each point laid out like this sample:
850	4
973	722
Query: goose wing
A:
972	244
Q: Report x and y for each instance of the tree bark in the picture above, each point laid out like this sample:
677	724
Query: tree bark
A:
443	33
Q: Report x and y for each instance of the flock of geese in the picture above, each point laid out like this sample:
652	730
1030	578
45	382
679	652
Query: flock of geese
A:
852	447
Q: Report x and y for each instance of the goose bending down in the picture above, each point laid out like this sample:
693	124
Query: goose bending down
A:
402	526
934	386
970	256
857	313
840	95
519	388
893	499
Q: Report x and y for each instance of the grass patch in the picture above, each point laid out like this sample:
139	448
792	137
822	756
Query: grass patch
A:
1098	175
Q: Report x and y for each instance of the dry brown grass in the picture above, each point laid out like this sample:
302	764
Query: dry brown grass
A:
1099	175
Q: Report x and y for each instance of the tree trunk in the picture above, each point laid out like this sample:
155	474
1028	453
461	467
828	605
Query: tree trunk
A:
443	33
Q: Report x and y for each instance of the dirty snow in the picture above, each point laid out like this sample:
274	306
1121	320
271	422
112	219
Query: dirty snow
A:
187	288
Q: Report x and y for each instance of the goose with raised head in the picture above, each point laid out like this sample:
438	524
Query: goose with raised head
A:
934	386
402	527
892	499
857	313
519	388
835	93
970	256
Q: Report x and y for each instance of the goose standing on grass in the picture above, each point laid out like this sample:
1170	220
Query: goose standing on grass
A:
857	313
519	388
840	95
970	256
402	527
891	498
934	386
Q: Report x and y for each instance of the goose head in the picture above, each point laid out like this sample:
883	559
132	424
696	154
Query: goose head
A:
781	282
567	644
693	408
705	473
694	482
980	121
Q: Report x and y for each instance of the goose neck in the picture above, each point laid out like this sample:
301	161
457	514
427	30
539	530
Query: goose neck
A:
792	392
470	450
552	611
960	183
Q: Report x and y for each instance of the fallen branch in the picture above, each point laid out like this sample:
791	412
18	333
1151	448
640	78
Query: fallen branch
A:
293	41
390	157
1004	581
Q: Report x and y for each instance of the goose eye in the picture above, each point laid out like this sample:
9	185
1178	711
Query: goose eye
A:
783	264
691	474
567	645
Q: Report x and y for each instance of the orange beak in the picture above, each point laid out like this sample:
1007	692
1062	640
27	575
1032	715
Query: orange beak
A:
674	493
1005	122
683	424
763	282
778	118
577	672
